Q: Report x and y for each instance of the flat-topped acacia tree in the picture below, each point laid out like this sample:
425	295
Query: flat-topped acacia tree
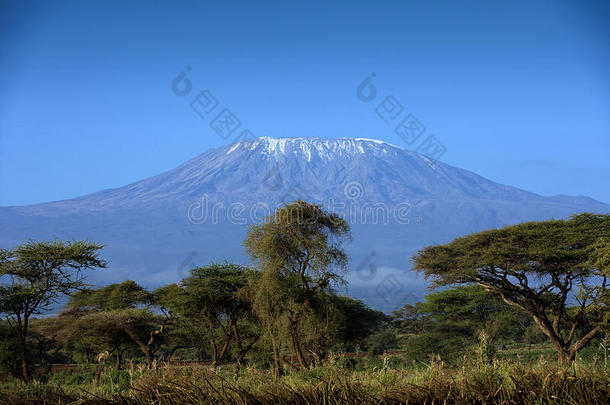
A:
556	271
34	275
117	313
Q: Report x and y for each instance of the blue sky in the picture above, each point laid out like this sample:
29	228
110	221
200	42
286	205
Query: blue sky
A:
517	92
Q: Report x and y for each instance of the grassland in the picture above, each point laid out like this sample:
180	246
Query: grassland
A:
510	379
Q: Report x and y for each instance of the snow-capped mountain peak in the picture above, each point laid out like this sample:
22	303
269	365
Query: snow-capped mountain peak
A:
322	148
318	168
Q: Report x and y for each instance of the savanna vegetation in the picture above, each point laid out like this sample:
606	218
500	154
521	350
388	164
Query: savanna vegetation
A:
518	315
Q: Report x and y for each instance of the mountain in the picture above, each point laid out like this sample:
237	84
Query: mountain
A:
396	200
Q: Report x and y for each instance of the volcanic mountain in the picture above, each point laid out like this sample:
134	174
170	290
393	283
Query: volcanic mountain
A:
397	201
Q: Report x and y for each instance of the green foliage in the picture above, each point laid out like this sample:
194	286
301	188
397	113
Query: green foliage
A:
301	240
299	252
411	319
112	317
470	309
125	295
34	275
354	320
449	323
559	248
470	303
40	272
382	341
449	347
533	335
84	376
215	291
600	254
9	345
213	305
536	266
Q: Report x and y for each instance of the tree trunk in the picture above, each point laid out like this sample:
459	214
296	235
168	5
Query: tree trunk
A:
218	359
146	349
22	333
276	356
214	351
295	344
25	366
567	354
25	369
566	351
565	358
149	358
576	347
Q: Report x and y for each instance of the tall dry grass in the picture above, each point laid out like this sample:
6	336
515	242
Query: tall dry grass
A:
500	382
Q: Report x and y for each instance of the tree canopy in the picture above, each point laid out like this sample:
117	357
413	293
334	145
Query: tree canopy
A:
34	275
117	314
538	267
300	245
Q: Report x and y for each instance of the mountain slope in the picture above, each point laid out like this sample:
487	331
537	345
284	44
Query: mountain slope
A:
397	201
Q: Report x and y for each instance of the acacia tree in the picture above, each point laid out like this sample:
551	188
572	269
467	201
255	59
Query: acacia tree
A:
34	275
79	331
120	312
411	319
184	333
539	267
216	297
302	243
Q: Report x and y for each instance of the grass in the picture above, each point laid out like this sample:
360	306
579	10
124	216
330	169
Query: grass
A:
371	381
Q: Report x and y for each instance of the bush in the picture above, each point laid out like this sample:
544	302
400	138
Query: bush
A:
533	335
69	377
382	341
9	362
421	347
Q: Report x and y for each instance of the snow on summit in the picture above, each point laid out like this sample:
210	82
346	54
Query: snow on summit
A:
322	148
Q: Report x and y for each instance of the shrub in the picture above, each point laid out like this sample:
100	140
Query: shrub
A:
382	341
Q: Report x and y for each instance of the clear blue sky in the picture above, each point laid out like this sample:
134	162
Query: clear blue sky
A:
518	92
